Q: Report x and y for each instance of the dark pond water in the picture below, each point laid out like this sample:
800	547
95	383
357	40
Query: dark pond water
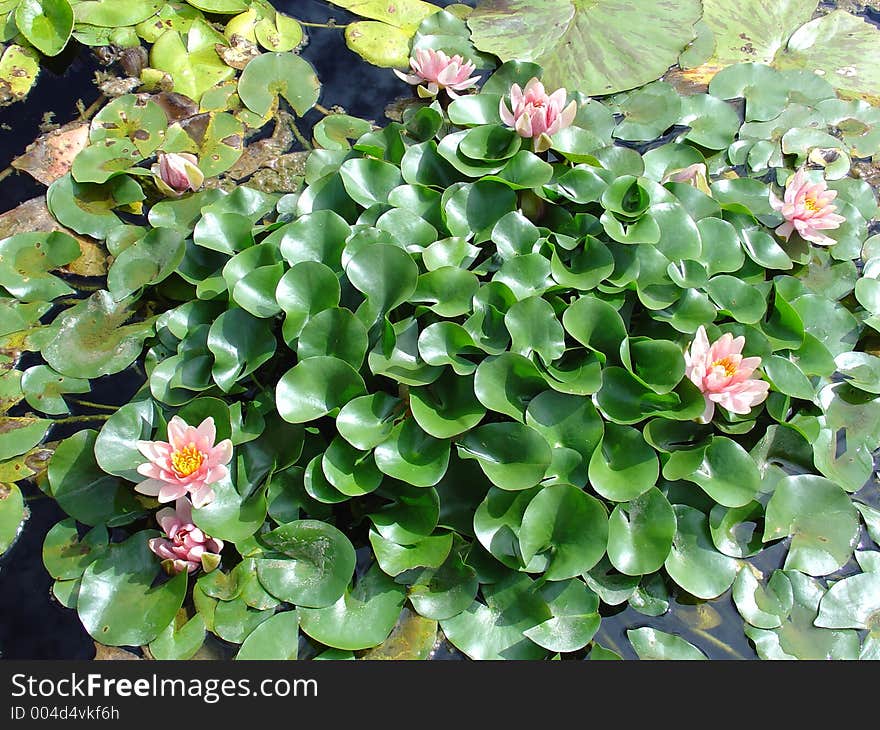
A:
32	624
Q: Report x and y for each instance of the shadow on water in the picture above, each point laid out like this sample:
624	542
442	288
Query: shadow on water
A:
32	624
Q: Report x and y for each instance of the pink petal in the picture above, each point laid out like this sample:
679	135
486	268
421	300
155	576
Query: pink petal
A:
150	487
177	433
171	492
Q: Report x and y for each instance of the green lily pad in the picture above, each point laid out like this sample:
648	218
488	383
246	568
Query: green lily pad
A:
444	592
570	525
840	44
115	447
47	24
181	639
394	559
764	607
513	456
654	644
44	389
575	617
19	68
65	555
798	637
276	638
240	343
507	384
315	387
12	514
84	490
148	260
193	64
820	518
694	563
413	456
640	533
20	434
273	74
110	14
92	338
26	260
363	616
314	564
621	57
118	603
231	516
494	629
736	530
623	466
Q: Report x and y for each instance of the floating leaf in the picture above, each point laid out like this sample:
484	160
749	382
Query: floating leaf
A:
363	617
314	565
693	563
494	630
12	514
655	644
277	638
47	24
118	602
83	490
92	338
821	519
567	523
631	43
271	74
640	533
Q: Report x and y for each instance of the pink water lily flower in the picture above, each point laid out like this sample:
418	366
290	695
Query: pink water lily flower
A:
723	375
536	114
807	209
185	546
188	462
434	70
177	172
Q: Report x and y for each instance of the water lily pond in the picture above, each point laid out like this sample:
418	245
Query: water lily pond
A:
485	330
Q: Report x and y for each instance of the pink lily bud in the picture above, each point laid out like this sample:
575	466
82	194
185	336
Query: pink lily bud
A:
188	462
536	114
177	172
185	546
434	70
723	375
807	209
694	175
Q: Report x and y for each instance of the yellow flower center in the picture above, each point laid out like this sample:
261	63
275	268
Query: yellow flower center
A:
187	460
810	205
728	366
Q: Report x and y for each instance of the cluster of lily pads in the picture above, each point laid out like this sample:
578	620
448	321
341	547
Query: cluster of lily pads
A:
460	377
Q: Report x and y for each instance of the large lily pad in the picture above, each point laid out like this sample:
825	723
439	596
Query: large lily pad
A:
118	603
362	618
271	74
92	338
821	519
597	47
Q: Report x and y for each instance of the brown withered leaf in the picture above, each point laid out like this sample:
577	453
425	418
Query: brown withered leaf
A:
265	151
92	262
112	653
413	637
239	53
176	106
692	80
51	155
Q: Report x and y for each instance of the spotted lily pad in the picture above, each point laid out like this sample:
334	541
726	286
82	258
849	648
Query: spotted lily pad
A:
631	43
92	338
